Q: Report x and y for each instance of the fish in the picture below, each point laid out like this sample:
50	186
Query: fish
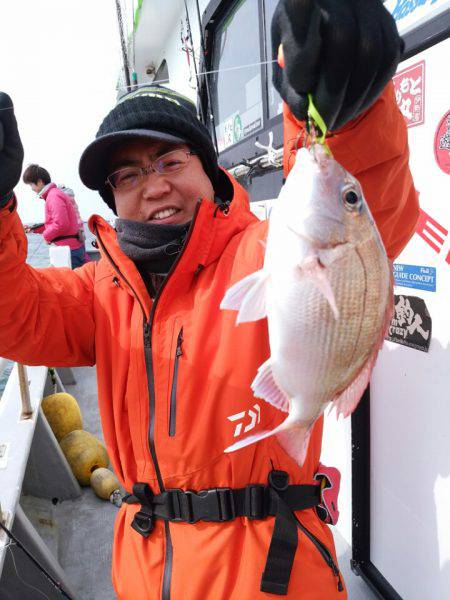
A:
326	289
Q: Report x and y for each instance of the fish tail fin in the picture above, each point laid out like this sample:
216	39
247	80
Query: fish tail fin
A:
248	296
293	437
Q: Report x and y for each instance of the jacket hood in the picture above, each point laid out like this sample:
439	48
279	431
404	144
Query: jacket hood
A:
45	190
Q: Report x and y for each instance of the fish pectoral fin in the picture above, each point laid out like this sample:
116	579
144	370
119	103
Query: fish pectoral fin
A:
264	386
312	268
248	296
327	256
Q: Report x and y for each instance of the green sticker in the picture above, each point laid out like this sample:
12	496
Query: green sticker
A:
237	128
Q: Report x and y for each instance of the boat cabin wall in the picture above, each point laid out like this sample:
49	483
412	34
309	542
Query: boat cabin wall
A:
244	104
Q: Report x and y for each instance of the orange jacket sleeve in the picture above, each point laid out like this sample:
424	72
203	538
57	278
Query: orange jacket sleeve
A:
46	315
373	148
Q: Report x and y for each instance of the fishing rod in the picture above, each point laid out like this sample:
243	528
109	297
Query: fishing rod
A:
191	41
19	544
123	45
208	91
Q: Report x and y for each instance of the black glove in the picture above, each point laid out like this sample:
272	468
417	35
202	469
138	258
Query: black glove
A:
11	150
343	52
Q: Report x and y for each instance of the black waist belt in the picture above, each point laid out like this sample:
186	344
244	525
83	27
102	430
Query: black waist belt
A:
278	499
64	237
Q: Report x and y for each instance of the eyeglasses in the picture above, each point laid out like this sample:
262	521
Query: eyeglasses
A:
130	177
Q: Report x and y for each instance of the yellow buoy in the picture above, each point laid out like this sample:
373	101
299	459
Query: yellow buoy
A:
84	453
104	483
63	414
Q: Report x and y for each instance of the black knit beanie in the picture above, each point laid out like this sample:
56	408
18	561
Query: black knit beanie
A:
151	112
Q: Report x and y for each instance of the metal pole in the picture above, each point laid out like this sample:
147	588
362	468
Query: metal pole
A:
124	47
27	411
197	78
208	92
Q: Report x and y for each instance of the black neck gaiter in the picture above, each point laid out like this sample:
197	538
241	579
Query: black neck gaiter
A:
153	248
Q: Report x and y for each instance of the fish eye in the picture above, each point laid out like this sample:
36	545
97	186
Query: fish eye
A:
351	199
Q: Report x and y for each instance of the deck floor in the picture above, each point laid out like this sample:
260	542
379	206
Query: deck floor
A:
79	532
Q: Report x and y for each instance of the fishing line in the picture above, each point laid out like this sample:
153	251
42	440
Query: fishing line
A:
21	578
212	72
19	544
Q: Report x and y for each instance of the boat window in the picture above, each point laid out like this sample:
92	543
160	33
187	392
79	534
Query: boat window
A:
236	90
275	104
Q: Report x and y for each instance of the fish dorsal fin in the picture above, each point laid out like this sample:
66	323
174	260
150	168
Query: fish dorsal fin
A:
248	296
312	268
264	386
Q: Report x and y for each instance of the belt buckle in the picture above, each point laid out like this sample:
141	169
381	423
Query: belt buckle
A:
221	510
181	507
256	502
216	504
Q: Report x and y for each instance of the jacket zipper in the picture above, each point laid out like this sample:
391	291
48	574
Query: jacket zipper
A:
165	595
173	392
324	552
167	577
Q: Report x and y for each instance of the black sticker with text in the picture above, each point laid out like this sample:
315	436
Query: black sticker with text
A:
411	323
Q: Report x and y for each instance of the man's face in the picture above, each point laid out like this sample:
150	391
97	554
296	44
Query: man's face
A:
159	199
37	187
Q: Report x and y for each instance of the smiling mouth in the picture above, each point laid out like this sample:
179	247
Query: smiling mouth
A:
164	214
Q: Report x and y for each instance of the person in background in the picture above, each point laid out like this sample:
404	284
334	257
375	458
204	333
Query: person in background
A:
62	219
71	194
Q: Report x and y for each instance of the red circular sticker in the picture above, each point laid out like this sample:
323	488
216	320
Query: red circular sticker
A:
442	143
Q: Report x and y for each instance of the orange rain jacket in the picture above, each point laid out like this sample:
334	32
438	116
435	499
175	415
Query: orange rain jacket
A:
171	431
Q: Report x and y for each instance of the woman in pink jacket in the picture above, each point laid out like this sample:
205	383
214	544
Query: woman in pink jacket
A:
61	225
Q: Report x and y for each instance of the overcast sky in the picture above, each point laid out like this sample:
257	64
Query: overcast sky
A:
60	61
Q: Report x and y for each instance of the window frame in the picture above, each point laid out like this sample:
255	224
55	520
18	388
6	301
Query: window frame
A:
245	149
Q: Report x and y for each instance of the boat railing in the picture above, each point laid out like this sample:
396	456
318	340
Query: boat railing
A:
31	463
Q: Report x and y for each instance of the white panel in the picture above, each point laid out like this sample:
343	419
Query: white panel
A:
410	397
59	256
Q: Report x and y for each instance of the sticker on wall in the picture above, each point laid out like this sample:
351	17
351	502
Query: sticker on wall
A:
414	276
4	450
409	85
442	143
411	323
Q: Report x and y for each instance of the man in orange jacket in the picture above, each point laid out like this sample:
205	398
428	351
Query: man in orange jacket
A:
174	371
